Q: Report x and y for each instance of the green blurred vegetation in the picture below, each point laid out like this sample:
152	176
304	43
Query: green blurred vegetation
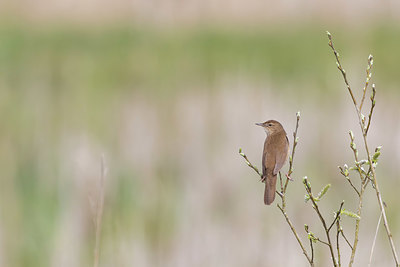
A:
124	58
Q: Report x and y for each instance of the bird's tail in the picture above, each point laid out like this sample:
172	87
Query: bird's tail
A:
270	187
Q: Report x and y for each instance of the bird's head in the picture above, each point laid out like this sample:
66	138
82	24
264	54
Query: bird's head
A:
271	126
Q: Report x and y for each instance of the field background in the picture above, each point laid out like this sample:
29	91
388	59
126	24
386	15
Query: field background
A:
168	91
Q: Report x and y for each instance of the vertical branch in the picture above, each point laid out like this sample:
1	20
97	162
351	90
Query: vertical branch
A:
99	213
295	141
337	241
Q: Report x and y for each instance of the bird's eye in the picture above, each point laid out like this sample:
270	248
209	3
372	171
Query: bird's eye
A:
269	124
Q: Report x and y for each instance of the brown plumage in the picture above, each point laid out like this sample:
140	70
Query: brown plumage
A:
276	150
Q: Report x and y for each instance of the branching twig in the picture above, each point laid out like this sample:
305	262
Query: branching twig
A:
316	208
364	130
337	215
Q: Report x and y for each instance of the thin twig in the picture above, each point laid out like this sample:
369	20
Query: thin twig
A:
372	108
312	251
360	198
323	242
345	173
291	158
373	243
337	215
345	238
249	163
358	193
310	237
296	235
369	75
339	66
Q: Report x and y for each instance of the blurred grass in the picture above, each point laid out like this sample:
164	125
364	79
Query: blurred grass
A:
53	79
123	58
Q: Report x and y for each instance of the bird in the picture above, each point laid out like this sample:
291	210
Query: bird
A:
275	153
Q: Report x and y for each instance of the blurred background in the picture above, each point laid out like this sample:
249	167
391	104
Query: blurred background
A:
169	91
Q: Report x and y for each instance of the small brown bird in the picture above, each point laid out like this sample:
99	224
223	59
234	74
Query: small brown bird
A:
276	150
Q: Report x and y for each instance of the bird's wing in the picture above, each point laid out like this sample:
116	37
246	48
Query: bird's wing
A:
281	158
264	158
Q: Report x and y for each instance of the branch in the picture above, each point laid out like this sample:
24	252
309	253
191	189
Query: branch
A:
369	75
364	130
339	66
338	228
373	243
316	208
337	215
310	260
249	163
345	238
372	108
295	141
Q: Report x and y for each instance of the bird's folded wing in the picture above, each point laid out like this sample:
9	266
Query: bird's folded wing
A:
281	158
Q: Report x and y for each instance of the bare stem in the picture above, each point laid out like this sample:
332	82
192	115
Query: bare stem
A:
345	238
295	141
249	163
337	241
373	243
372	108
310	260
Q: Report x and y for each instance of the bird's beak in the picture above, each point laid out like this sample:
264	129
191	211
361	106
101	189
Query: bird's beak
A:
259	124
